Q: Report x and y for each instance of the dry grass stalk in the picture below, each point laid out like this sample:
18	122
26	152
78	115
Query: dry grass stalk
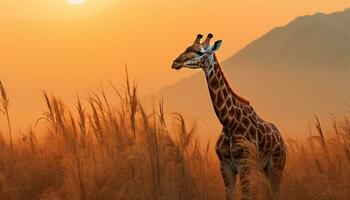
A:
106	150
5	102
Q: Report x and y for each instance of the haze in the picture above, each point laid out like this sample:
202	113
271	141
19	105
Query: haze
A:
51	45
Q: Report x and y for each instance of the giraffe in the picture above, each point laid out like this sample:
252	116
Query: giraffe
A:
240	123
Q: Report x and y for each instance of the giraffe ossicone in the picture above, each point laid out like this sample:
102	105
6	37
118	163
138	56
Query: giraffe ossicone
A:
240	123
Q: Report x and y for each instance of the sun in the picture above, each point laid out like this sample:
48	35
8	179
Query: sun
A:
76	2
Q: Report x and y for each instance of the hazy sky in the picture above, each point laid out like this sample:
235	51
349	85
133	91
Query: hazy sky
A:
51	45
49	9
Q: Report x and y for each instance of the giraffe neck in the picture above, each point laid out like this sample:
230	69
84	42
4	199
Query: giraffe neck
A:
227	104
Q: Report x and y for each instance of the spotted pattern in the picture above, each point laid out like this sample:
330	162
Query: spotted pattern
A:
242	124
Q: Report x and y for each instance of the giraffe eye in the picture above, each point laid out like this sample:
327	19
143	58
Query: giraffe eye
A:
200	53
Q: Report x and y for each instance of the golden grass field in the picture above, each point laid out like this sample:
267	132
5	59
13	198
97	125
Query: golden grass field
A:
114	149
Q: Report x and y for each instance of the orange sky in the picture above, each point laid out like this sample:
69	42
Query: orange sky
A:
67	49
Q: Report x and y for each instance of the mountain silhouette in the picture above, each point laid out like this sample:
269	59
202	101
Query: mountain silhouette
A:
289	74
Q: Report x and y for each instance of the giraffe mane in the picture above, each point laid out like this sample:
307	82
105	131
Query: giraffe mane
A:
238	97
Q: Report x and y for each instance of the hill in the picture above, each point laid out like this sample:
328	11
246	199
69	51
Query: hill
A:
289	74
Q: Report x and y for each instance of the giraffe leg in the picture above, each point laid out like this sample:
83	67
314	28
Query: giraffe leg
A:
274	170
240	156
244	180
229	176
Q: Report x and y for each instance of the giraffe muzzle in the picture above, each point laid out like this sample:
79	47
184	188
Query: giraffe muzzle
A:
176	66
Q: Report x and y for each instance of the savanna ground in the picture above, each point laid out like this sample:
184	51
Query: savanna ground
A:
113	149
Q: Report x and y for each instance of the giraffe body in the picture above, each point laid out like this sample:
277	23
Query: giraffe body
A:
240	123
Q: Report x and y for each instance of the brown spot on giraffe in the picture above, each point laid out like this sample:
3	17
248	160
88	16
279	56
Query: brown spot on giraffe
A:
239	120
224	91
251	133
231	112
245	121
223	112
219	100
214	84
238	115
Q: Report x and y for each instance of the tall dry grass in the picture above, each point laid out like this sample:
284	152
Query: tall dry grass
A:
5	103
114	149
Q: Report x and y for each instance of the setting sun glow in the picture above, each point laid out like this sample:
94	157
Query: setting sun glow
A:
75	2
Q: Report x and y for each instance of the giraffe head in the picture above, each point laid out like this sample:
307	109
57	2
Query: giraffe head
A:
195	55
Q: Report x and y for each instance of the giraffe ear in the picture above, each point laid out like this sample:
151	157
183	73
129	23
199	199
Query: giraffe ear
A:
216	45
